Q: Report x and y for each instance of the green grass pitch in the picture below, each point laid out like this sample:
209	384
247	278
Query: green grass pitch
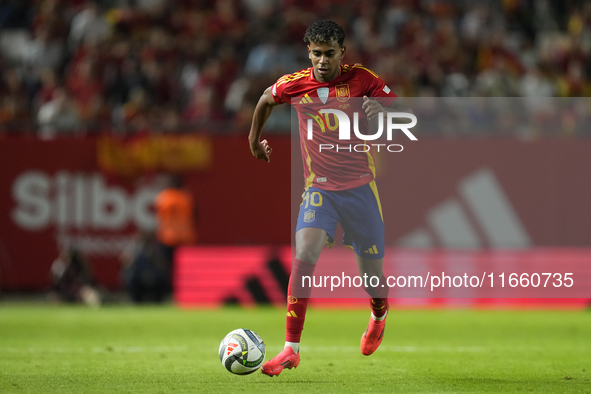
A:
126	349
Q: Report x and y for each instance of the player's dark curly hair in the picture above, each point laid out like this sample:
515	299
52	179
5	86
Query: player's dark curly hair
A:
324	31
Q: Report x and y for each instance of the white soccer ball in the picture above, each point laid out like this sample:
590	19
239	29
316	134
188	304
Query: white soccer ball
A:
242	351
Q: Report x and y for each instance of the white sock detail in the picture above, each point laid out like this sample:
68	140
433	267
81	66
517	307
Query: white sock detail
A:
294	345
378	318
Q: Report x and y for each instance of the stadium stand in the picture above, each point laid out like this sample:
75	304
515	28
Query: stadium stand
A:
124	66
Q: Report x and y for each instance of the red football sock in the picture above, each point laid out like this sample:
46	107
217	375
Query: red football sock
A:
379	304
296	306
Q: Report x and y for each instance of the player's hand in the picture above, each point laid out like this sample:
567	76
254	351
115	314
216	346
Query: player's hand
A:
372	108
261	149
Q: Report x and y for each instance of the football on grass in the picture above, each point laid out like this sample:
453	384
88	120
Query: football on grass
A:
242	351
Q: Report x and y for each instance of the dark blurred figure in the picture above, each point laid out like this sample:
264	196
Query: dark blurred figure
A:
146	271
72	280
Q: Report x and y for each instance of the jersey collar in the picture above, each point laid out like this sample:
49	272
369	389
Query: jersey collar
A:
312	78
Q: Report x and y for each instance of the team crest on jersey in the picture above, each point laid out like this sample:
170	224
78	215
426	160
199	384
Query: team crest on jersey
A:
342	92
322	94
309	216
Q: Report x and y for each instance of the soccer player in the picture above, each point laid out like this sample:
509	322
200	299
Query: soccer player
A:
340	184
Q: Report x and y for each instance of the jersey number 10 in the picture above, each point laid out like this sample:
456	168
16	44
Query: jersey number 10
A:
314	199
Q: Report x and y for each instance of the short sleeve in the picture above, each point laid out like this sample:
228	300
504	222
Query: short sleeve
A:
278	90
381	92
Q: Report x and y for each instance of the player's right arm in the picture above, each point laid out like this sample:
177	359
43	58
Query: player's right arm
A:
261	149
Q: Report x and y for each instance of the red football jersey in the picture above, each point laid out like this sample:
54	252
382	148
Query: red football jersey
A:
342	168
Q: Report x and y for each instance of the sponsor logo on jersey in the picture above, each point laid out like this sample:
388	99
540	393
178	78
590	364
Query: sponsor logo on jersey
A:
342	92
386	89
274	89
322	94
306	99
321	179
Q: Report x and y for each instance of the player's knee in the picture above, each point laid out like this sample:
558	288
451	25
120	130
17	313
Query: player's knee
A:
309	244
308	252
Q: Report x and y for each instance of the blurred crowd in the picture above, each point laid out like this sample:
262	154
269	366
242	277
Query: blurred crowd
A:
129	66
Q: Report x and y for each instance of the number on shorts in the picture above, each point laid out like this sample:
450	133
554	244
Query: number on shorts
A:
315	199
